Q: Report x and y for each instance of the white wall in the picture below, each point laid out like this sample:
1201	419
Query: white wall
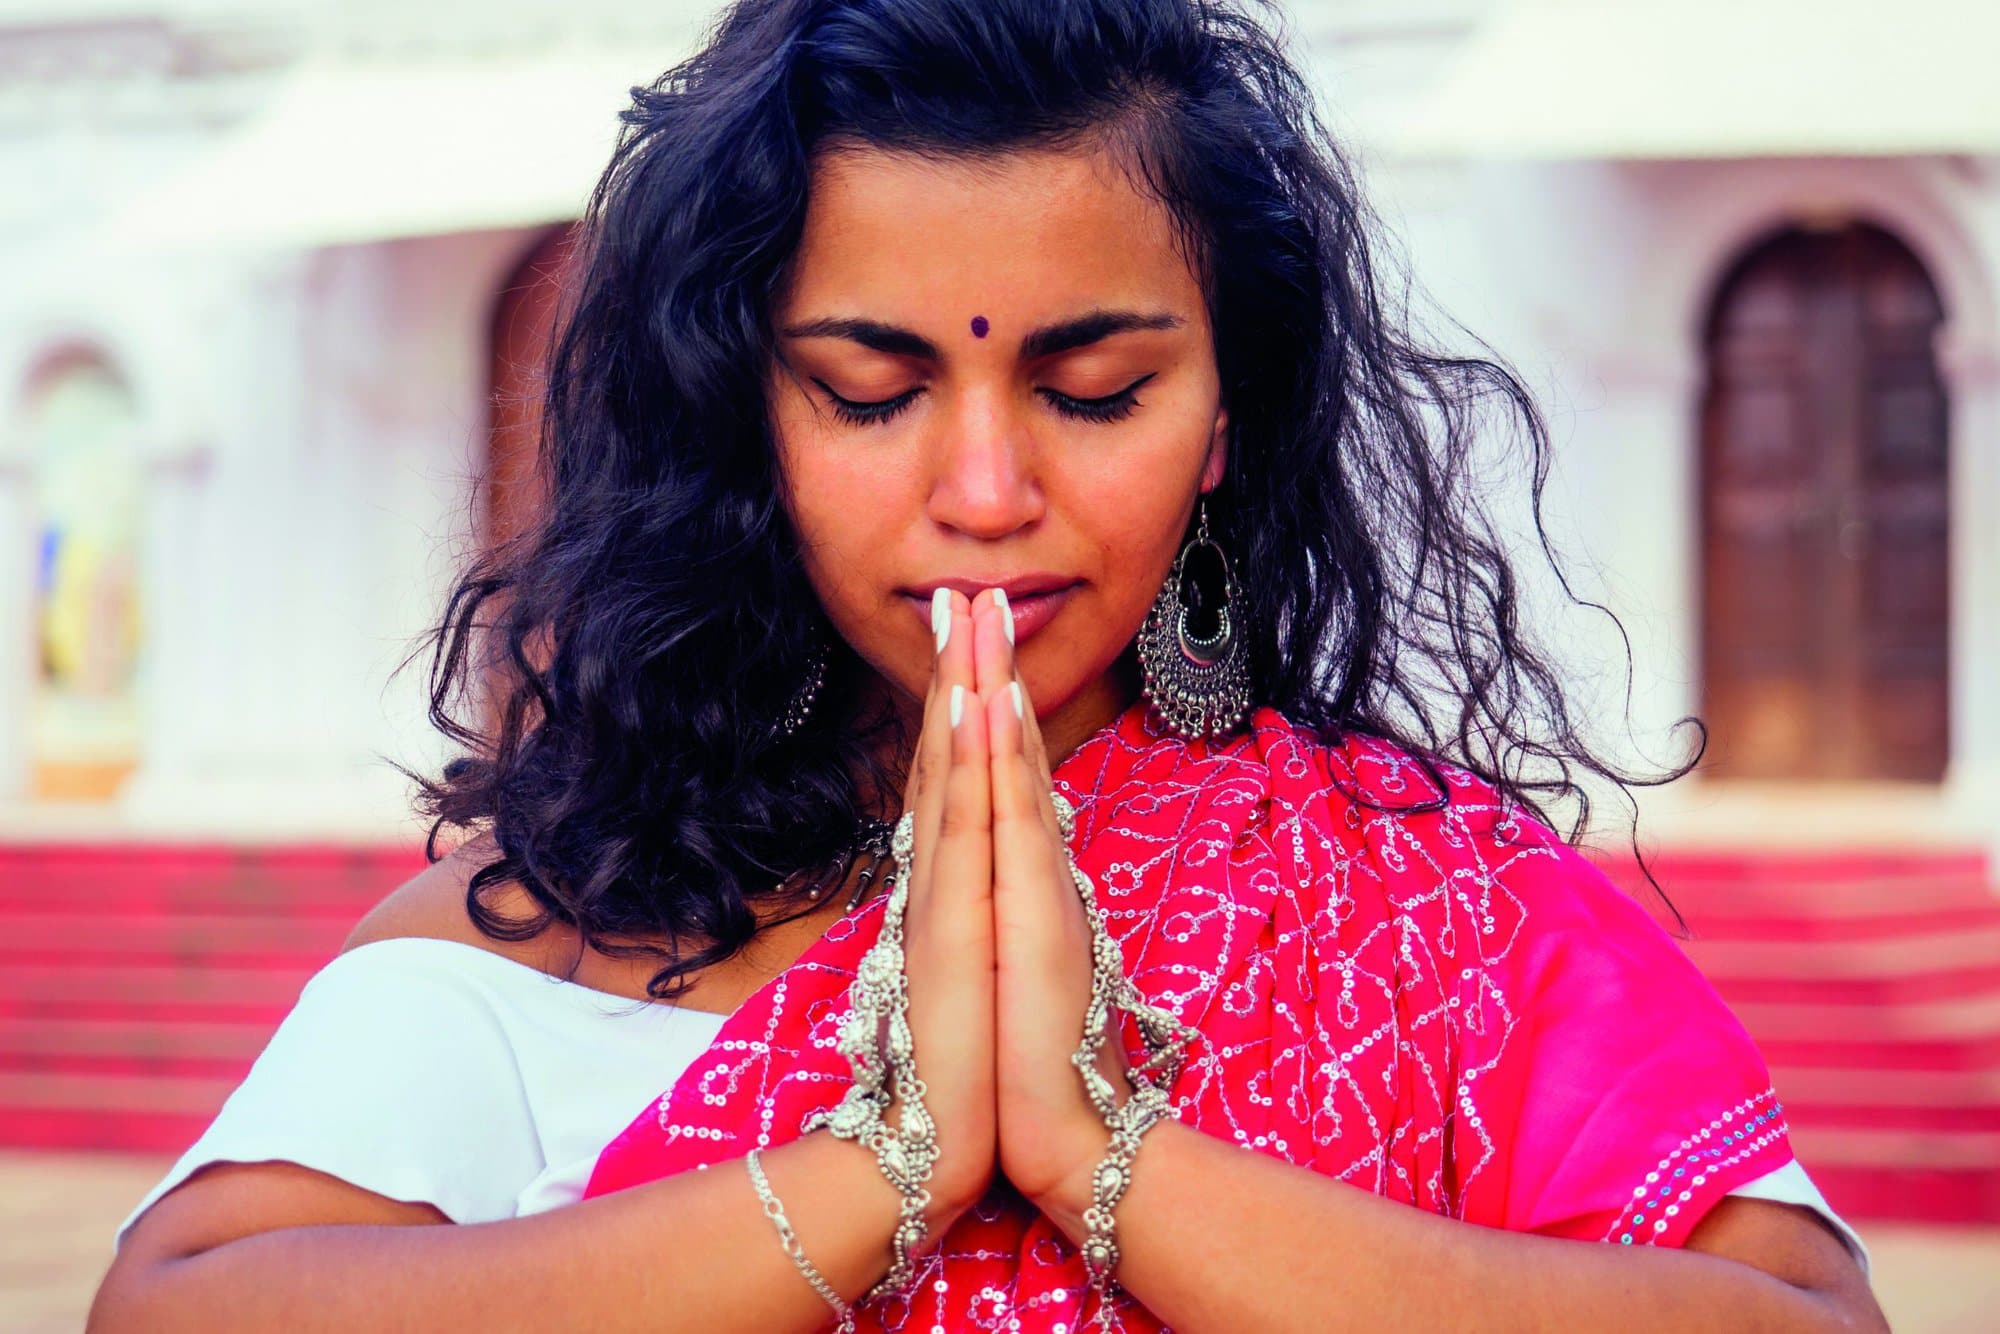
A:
313	419
1592	278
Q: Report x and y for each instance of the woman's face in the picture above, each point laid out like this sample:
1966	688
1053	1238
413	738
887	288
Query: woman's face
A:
993	373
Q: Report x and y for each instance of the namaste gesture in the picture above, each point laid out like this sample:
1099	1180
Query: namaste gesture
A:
999	957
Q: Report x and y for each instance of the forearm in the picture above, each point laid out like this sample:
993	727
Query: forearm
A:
689	1252
1214	1238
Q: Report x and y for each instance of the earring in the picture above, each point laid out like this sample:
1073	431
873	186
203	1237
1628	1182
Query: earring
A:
801	704
1194	646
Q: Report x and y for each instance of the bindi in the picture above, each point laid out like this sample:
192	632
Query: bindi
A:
979	326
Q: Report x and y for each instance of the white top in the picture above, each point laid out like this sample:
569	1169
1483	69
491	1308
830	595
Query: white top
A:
436	1071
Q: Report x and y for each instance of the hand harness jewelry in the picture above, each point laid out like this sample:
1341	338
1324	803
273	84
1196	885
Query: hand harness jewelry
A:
876	1040
1166	1039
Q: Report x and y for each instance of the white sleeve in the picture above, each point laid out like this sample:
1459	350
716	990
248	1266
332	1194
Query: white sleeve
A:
390	1072
1790	1185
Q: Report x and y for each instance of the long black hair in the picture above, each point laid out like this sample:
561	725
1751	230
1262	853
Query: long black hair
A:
641	637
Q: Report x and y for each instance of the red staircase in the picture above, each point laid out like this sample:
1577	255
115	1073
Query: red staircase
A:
1872	983
138	983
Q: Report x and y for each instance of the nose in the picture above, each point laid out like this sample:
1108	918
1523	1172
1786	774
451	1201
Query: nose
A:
984	480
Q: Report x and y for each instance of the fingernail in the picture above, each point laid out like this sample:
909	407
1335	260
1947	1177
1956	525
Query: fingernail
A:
1014	693
1006	613
941	616
957	704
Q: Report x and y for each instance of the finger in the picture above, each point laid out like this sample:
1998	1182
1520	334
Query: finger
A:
1031	742
993	650
1024	833
999	668
933	760
960	886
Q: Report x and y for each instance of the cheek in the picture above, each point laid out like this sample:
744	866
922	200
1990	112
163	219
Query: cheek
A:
1131	508
831	517
846	521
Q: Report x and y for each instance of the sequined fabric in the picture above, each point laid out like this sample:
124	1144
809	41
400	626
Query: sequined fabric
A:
1450	1008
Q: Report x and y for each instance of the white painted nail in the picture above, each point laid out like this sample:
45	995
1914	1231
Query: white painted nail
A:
941	616
1014	693
1006	613
957	704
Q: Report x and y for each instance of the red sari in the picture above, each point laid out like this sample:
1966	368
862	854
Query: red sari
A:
1451	1008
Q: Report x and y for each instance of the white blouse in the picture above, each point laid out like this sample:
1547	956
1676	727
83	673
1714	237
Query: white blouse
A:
438	1072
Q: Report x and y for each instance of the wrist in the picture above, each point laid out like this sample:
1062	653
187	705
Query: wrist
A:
1072	1191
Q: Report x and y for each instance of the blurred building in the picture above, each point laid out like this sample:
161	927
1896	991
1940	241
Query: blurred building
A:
272	283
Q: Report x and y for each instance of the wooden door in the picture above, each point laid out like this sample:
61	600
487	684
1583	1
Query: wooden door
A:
1824	505
512	490
524	320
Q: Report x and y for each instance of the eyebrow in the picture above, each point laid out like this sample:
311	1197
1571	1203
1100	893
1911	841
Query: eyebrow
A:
1063	336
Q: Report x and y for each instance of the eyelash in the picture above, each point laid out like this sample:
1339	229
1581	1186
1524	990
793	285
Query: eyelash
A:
1110	408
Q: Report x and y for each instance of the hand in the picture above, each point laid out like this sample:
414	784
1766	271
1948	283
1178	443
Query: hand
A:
1049	1131
948	950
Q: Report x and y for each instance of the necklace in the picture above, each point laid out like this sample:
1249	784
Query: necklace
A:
871	839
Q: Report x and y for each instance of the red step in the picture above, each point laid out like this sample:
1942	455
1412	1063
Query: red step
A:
138	983
1872	983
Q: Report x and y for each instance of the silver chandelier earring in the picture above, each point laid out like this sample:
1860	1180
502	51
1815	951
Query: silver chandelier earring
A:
1194	647
801	704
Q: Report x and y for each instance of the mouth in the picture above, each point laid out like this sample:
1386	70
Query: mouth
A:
1034	602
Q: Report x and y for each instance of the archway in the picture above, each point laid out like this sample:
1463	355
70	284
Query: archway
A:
83	727
524	321
1824	513
512	487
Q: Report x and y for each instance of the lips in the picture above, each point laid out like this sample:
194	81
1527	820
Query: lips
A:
1035	601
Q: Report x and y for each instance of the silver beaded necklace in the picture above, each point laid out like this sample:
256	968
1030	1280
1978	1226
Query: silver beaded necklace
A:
871	840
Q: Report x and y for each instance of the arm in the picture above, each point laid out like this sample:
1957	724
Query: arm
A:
1213	1237
271	1245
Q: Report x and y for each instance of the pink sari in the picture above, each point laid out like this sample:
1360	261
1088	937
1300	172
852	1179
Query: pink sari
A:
1453	1009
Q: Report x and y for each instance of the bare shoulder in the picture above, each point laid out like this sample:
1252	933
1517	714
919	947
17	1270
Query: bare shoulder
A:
431	905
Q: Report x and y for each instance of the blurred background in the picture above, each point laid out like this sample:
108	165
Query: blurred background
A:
274	276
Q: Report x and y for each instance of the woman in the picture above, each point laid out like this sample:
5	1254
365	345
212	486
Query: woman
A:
982	415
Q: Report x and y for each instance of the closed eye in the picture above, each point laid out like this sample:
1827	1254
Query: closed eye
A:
1109	408
867	413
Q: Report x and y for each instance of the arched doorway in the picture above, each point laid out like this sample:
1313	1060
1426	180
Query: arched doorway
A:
524	319
511	491
1824	504
81	424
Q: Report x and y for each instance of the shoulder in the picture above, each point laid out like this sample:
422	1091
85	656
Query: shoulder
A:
1367	769
1430	823
432	905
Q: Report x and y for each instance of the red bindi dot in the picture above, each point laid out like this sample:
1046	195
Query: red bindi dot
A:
979	326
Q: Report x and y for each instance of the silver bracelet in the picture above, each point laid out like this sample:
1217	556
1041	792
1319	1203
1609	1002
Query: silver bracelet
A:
776	1213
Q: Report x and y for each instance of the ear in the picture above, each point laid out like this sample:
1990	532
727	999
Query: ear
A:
1218	452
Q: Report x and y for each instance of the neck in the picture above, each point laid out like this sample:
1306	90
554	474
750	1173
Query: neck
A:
1090	709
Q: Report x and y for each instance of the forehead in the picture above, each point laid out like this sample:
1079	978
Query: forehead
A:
1032	228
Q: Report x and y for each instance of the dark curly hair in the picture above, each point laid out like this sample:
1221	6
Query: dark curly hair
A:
642	635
